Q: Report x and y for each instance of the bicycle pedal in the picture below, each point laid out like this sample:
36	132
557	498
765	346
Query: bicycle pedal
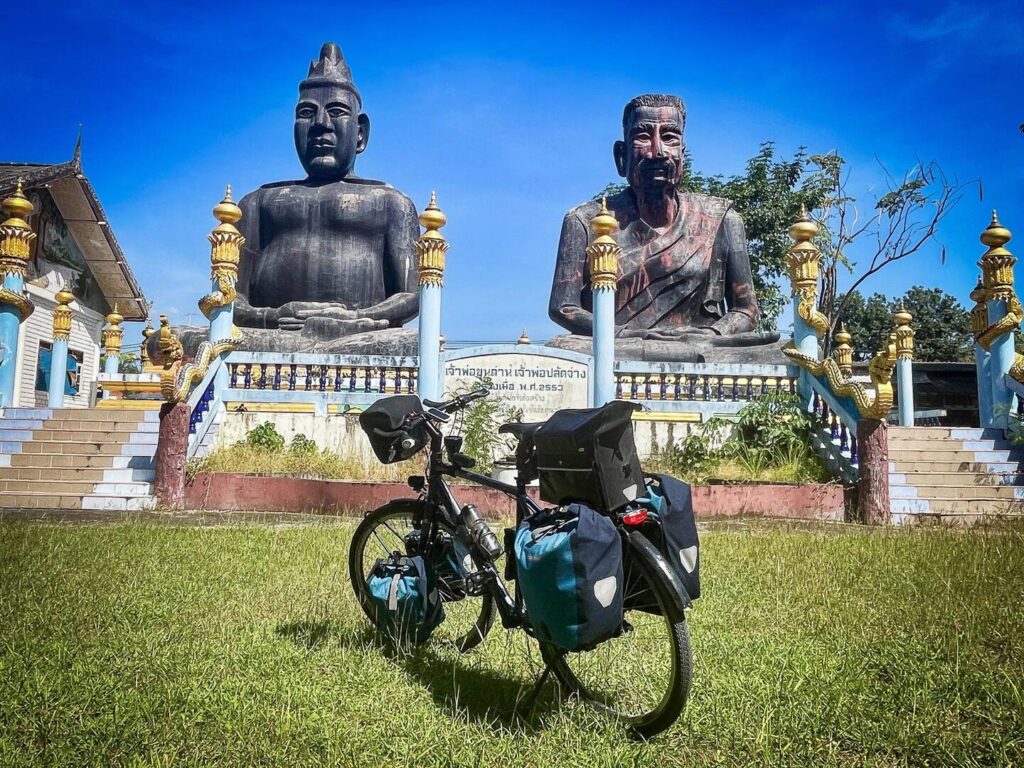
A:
477	583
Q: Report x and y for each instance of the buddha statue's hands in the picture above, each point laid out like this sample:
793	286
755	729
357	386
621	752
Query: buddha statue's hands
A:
680	334
294	315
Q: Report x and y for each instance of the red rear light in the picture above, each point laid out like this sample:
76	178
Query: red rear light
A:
636	517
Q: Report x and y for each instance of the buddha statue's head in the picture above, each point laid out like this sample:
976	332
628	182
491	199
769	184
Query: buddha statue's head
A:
650	156
330	128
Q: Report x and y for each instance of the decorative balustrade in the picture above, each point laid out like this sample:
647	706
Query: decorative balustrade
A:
700	387
319	380
838	439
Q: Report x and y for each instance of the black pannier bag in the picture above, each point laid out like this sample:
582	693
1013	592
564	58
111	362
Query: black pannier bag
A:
588	455
671	527
383	422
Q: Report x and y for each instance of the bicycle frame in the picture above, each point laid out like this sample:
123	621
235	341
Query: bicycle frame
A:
440	498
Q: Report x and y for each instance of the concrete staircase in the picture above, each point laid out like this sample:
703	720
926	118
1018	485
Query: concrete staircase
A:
954	475
63	458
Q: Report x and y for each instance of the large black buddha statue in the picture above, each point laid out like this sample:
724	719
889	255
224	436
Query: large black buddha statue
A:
685	290
328	262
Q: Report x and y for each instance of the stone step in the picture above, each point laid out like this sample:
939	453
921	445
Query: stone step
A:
39	501
94	414
60	487
62	460
95	425
73	448
66	435
930	492
78	474
956	478
955	456
958	506
951	467
123	489
944	433
118	502
930	446
22	423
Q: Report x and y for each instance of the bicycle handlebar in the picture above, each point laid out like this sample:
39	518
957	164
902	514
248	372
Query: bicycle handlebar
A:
458	402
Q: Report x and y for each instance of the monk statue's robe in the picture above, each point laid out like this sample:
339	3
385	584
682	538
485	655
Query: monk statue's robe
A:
685	293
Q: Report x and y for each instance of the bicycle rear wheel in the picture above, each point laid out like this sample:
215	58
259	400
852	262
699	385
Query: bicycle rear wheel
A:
642	676
390	528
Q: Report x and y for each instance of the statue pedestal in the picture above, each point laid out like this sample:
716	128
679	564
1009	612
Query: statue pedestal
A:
395	342
755	348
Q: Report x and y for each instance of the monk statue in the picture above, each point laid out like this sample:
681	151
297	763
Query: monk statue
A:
685	291
328	263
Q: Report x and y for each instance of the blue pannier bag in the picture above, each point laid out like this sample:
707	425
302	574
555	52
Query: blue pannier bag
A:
407	605
672	529
569	569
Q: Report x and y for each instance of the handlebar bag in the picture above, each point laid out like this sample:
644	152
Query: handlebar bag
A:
671	527
386	425
569	570
404	599
588	455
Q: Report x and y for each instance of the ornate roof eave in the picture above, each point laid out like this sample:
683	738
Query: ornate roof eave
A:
35	175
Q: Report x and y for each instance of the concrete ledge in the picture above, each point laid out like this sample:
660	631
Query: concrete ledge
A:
237	492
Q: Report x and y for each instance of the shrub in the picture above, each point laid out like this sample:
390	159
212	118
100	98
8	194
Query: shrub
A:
265	437
303	446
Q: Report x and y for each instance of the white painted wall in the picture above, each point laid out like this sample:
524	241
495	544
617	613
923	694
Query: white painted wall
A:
86	327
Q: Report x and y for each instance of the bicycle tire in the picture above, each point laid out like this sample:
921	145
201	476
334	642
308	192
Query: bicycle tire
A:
621	650
477	628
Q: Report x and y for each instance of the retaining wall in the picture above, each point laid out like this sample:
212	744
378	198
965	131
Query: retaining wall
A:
224	491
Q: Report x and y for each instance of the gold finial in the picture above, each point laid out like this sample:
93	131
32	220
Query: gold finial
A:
440	341
523	338
225	250
604	223
18	207
227	212
995	234
997	262
904	333
113	334
62	315
843	351
15	248
803	261
431	245
603	250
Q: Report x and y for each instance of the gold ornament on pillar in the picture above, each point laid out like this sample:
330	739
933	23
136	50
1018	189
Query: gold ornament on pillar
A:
225	248
62	315
431	245
979	313
113	334
904	334
523	338
803	261
843	351
603	252
15	248
997	280
177	379
147	364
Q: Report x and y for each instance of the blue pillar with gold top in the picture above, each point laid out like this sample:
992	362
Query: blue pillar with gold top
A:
431	248
1003	316
225	251
982	359
59	352
803	262
603	254
15	247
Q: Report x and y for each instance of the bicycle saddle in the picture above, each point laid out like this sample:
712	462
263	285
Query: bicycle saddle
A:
519	429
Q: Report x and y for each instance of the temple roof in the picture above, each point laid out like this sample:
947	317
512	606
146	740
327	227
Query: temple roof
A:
80	207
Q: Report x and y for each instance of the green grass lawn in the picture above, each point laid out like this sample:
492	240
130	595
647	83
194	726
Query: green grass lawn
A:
147	644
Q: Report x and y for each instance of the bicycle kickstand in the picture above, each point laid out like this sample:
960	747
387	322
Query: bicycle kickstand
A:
535	692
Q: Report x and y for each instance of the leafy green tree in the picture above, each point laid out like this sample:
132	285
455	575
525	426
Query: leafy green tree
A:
941	324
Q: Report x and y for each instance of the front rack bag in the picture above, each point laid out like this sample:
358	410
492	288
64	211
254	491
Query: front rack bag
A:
588	455
383	424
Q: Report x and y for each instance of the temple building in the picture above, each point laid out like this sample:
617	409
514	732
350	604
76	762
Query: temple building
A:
74	248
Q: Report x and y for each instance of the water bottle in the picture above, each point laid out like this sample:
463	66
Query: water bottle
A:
480	532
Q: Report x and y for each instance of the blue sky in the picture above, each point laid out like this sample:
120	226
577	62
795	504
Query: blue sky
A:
509	112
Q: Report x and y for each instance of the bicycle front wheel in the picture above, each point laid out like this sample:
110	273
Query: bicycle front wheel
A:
641	677
468	618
